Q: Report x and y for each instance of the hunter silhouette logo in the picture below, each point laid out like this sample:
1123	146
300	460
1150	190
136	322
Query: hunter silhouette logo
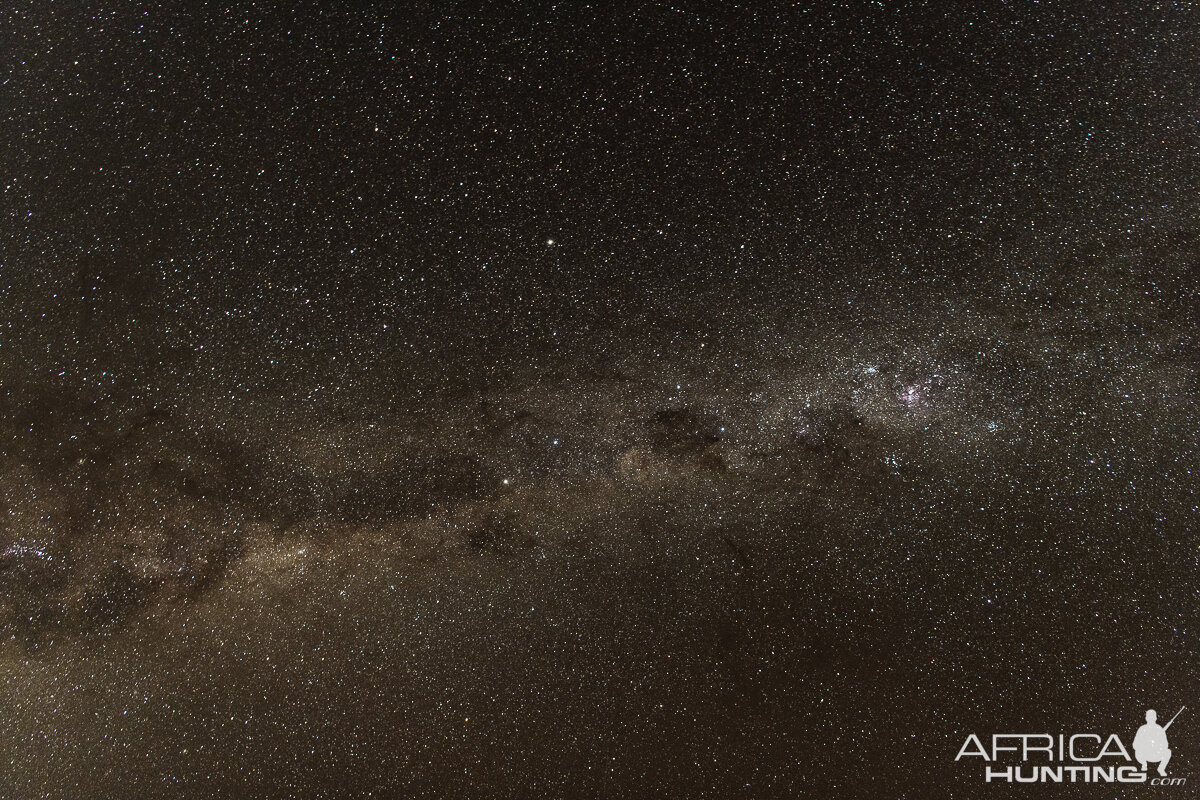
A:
1150	743
1075	758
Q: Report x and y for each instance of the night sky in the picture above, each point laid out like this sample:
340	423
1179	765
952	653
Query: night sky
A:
463	400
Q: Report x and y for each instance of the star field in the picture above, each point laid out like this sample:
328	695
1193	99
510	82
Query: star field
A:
678	400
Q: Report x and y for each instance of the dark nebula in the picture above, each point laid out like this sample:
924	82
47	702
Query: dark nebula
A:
551	401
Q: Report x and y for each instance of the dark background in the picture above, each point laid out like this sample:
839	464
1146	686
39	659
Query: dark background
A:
553	400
